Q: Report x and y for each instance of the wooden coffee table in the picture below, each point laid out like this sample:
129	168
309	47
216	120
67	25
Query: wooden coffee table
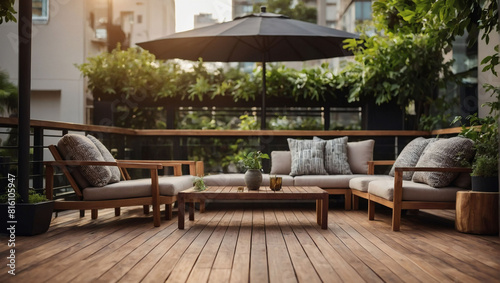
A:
264	193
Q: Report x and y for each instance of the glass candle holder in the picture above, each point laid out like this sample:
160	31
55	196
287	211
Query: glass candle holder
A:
275	183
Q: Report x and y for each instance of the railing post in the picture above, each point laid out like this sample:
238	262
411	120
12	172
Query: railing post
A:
327	116
38	158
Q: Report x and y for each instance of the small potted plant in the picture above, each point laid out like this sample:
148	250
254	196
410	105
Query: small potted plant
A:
25	218
484	133
253	163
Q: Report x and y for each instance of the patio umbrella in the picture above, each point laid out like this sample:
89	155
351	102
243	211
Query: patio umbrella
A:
262	37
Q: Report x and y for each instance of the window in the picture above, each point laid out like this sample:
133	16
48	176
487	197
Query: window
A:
363	11
40	11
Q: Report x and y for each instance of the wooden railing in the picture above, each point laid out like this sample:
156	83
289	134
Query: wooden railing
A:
183	144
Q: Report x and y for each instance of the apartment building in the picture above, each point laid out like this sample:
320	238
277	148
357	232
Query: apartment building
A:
66	33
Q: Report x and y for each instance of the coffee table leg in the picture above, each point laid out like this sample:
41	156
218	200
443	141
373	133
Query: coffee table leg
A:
318	211
180	213
324	213
191	210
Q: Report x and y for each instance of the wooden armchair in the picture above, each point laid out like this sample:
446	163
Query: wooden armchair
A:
153	191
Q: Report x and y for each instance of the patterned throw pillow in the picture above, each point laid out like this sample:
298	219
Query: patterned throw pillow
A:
443	153
409	156
78	147
307	157
336	156
115	172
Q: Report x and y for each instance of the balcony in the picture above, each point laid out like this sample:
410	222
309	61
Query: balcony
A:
266	242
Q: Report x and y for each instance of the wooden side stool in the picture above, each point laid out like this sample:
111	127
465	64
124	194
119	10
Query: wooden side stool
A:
477	212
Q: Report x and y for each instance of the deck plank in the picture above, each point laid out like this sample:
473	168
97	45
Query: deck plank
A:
304	269
324	270
258	252
221	269
279	262
240	270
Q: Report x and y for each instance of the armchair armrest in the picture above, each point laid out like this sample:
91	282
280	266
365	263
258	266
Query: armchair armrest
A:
434	169
196	168
373	163
123	164
127	164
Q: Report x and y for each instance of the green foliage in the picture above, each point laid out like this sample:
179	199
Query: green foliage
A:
7	11
491	61
298	123
8	95
404	61
135	75
440	113
484	133
130	74
404	67
126	78
248	123
33	197
199	184
253	160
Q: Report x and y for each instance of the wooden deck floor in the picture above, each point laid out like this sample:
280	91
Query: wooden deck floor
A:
254	243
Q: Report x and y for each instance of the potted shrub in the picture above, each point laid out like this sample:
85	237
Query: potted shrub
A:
484	133
25	219
253	163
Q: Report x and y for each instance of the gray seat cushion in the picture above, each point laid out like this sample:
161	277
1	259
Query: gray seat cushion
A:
413	191
325	181
361	183
169	186
238	179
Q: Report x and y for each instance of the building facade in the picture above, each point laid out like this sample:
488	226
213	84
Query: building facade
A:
66	33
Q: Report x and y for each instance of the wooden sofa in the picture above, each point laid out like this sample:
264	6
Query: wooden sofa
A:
359	153
152	191
399	193
360	189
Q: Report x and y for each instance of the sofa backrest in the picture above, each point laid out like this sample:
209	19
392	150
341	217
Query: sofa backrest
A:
358	155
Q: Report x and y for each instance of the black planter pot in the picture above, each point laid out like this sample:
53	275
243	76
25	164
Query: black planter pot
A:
30	218
484	184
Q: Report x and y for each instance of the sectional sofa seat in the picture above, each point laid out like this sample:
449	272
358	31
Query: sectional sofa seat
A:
168	186
335	180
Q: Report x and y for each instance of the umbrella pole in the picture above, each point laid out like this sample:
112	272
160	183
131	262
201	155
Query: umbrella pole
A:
263	113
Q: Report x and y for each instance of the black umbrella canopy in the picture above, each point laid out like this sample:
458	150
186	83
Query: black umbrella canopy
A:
262	37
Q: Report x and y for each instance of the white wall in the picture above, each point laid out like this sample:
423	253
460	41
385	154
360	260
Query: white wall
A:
56	47
486	77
